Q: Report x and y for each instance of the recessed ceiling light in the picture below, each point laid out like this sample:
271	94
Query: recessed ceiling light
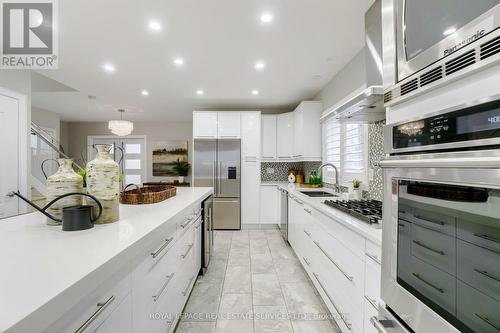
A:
449	31
179	61
259	65
255	92
200	92
155	25
145	93
108	67
266	17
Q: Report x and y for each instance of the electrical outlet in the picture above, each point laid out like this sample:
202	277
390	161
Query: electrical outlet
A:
270	171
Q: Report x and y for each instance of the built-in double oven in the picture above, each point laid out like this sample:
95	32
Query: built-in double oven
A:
441	222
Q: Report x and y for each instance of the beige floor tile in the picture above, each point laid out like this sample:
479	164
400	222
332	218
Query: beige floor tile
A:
234	326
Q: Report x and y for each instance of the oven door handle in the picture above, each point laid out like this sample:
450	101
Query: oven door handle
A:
380	324
460	163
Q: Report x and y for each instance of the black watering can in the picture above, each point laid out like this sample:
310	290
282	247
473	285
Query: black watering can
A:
74	217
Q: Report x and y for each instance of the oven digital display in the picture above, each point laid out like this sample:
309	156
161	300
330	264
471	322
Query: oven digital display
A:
484	121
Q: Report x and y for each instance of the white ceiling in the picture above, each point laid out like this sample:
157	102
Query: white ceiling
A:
220	41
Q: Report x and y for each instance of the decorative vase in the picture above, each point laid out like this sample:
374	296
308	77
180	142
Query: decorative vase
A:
356	194
65	180
180	179
103	182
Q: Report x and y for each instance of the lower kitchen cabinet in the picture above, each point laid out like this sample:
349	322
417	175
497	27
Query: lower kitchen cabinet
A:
269	204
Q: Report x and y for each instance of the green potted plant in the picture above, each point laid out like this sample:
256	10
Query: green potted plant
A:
356	184
182	169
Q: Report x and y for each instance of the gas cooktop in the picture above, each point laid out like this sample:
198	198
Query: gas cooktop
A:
369	211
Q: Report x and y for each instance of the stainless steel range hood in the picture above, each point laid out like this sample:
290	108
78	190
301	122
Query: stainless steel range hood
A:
367	106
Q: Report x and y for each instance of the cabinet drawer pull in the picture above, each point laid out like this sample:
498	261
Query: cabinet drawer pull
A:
205	136
428	283
372	302
373	257
427	220
348	277
485	273
487	321
268	157
381	324
188	220
300	202
160	292
349	326
428	248
101	306
185	291
308	211
307	233
488	237
228	136
187	252
306	261
162	247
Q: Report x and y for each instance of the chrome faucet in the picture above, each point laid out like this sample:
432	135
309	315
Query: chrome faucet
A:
337	186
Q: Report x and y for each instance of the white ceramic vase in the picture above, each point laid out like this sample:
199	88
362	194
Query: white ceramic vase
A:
180	179
65	180
103	182
356	194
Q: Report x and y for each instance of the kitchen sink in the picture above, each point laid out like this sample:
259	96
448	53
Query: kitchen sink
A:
319	194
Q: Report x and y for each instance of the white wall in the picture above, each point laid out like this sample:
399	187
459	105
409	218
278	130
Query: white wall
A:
48	119
161	131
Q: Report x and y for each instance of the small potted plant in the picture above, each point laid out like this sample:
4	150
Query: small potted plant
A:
356	184
182	169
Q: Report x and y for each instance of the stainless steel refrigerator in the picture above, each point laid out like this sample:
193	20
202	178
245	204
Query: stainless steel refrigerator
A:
217	164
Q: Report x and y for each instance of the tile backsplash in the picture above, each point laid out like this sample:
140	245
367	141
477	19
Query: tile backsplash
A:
278	171
376	153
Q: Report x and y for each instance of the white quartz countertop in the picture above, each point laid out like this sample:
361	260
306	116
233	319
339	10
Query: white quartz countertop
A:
372	233
46	270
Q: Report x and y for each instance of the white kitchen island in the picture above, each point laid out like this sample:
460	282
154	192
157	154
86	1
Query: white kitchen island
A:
128	276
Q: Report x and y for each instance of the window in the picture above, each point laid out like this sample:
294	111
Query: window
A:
346	147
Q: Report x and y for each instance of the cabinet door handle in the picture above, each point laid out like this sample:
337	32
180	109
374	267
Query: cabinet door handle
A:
100	308
205	136
487	321
185	291
349	326
268	157
428	283
427	220
488	275
188	220
162	247
228	136
488	237
428	248
160	292
372	302
373	257
379	324
306	261
348	277
308	211
307	233
187	252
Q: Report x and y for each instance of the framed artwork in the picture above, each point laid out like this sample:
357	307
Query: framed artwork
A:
165	154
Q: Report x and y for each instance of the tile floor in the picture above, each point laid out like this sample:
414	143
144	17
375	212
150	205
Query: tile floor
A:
254	284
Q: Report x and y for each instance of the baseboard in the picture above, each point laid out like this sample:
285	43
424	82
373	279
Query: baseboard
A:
259	226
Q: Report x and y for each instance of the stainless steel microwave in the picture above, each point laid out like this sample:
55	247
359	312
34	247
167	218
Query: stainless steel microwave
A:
430	30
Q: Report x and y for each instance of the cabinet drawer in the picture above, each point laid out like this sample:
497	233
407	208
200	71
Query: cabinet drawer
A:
373	252
372	281
433	247
479	268
478	311
433	220
437	285
479	234
187	219
370	312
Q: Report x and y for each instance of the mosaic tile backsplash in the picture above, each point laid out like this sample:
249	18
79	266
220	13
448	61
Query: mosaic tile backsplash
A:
376	153
280	170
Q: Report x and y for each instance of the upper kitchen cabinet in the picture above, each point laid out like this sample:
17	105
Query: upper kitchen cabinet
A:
285	135
268	136
229	125
205	125
250	135
307	131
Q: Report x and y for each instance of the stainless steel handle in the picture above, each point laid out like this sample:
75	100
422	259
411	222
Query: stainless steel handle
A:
487	321
160	292
427	220
268	157
379	325
284	156
306	261
229	136
441	290
428	248
218	178
185	291
300	202
348	277
454	163
373	257
349	326
307	233
205	136
488	238
162	247
100	308
188	221
372	302
187	252
488	275
214	167
308	211
198	226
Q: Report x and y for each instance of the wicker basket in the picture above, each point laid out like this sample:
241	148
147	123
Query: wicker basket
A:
146	195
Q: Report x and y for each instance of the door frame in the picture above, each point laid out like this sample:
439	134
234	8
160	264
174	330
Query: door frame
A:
23	136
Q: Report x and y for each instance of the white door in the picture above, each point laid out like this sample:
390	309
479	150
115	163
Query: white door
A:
250	192
205	125
250	135
129	153
228	125
285	134
268	136
9	150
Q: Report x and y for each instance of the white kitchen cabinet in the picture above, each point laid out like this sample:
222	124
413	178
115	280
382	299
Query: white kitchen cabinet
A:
120	320
204	125
307	131
228	125
250	135
285	135
268	137
250	191
269	204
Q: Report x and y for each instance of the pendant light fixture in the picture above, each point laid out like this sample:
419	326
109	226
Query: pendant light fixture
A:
121	127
